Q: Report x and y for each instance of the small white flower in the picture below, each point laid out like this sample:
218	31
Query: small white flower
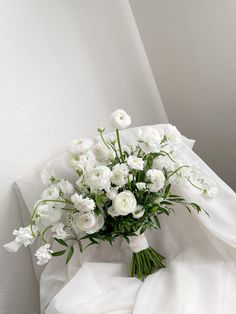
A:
99	178
135	163
24	237
66	187
139	212
83	162
80	146
173	135
120	174
84	204
103	153
44	254
125	203
111	194
149	140
51	193
48	176
157	179
60	232
161	162
88	222
141	186
120	119
81	187
49	213
211	192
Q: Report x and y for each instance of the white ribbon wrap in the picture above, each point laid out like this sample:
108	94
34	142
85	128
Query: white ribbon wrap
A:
138	243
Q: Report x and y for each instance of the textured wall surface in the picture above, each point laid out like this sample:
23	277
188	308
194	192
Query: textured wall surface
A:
191	46
64	66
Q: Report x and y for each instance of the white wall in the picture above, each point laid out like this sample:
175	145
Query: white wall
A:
191	46
64	66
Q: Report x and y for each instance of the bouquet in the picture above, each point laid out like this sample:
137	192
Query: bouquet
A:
120	191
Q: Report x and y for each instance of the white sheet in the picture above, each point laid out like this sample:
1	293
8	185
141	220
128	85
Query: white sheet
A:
200	277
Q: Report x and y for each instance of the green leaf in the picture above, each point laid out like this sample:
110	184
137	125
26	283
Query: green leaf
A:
69	254
167	190
196	206
58	253
62	242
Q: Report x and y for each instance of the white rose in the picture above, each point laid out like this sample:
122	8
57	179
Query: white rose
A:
120	119
24	237
49	213
120	174
48	176
141	186
157	179
51	193
82	162
44	254
135	163
80	146
124	203
103	153
59	230
139	212
66	187
84	204
149	140
99	178
87	222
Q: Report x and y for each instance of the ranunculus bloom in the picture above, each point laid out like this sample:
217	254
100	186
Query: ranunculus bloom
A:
135	163
157	179
120	174
125	203
88	222
51	193
99	178
84	204
66	187
80	146
149	140
120	119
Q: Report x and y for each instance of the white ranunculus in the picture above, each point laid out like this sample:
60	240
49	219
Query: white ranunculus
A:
161	162
83	162
149	140
103	153
99	178
51	193
120	174
49	213
111	194
141	186
173	135
135	162
44	254
59	230
120	119
87	222
125	203
66	187
84	204
157	179
23	236
80	146
48	176
139	212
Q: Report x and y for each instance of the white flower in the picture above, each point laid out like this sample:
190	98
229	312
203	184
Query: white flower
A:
211	192
139	212
24	237
48	176
135	163
66	187
88	222
81	187
99	178
44	254
161	162
157	179
60	232
49	213
82	162
84	204
173	135
111	194
120	119
51	193
103	153
120	174
141	186
149	140
80	146
124	203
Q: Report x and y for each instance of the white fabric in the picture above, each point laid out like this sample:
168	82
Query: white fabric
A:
138	243
200	277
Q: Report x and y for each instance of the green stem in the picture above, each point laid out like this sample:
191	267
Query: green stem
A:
174	172
197	187
119	145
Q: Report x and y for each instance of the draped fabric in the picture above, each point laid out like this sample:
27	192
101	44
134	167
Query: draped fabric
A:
200	273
